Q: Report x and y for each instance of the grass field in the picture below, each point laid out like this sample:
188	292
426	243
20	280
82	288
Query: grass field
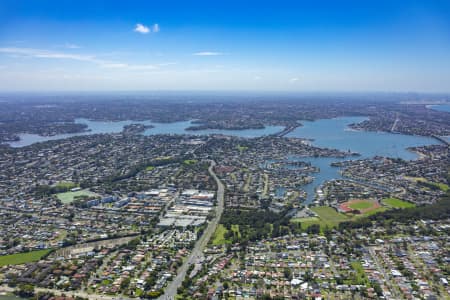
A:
371	212
327	216
397	203
361	205
190	161
242	148
149	168
444	187
219	235
22	258
68	197
306	222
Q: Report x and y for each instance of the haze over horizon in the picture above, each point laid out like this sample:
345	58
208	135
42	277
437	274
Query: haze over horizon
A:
288	46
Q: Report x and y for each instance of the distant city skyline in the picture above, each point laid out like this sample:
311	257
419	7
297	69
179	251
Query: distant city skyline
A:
288	46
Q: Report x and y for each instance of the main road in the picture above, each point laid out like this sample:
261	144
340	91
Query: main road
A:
197	252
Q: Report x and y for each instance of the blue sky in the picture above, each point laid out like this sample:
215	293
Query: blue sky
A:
232	45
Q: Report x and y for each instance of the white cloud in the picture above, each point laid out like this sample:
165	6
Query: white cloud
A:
257	78
207	53
141	28
293	80
39	53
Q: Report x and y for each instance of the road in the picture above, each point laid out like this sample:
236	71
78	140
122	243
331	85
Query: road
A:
4	288
197	252
381	269
394	126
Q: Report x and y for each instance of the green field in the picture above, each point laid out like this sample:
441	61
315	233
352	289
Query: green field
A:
68	197
242	148
22	258
190	162
371	212
444	187
219	235
361	205
397	203
306	222
149	168
327	216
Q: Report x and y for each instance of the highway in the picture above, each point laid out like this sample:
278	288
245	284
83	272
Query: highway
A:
197	252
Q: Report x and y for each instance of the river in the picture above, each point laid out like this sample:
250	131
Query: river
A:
97	127
326	133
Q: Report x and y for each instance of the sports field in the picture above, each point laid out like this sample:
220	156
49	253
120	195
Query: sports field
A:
68	197
397	203
22	258
363	206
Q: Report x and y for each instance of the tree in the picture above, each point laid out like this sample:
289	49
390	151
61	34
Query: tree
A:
287	273
26	290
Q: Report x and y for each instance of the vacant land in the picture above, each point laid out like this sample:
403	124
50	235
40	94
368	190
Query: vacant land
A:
442	186
326	216
329	216
397	203
22	258
219	235
68	197
190	162
306	222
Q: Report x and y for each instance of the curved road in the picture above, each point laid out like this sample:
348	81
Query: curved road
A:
197	252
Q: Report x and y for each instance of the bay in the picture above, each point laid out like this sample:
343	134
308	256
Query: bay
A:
99	127
335	133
